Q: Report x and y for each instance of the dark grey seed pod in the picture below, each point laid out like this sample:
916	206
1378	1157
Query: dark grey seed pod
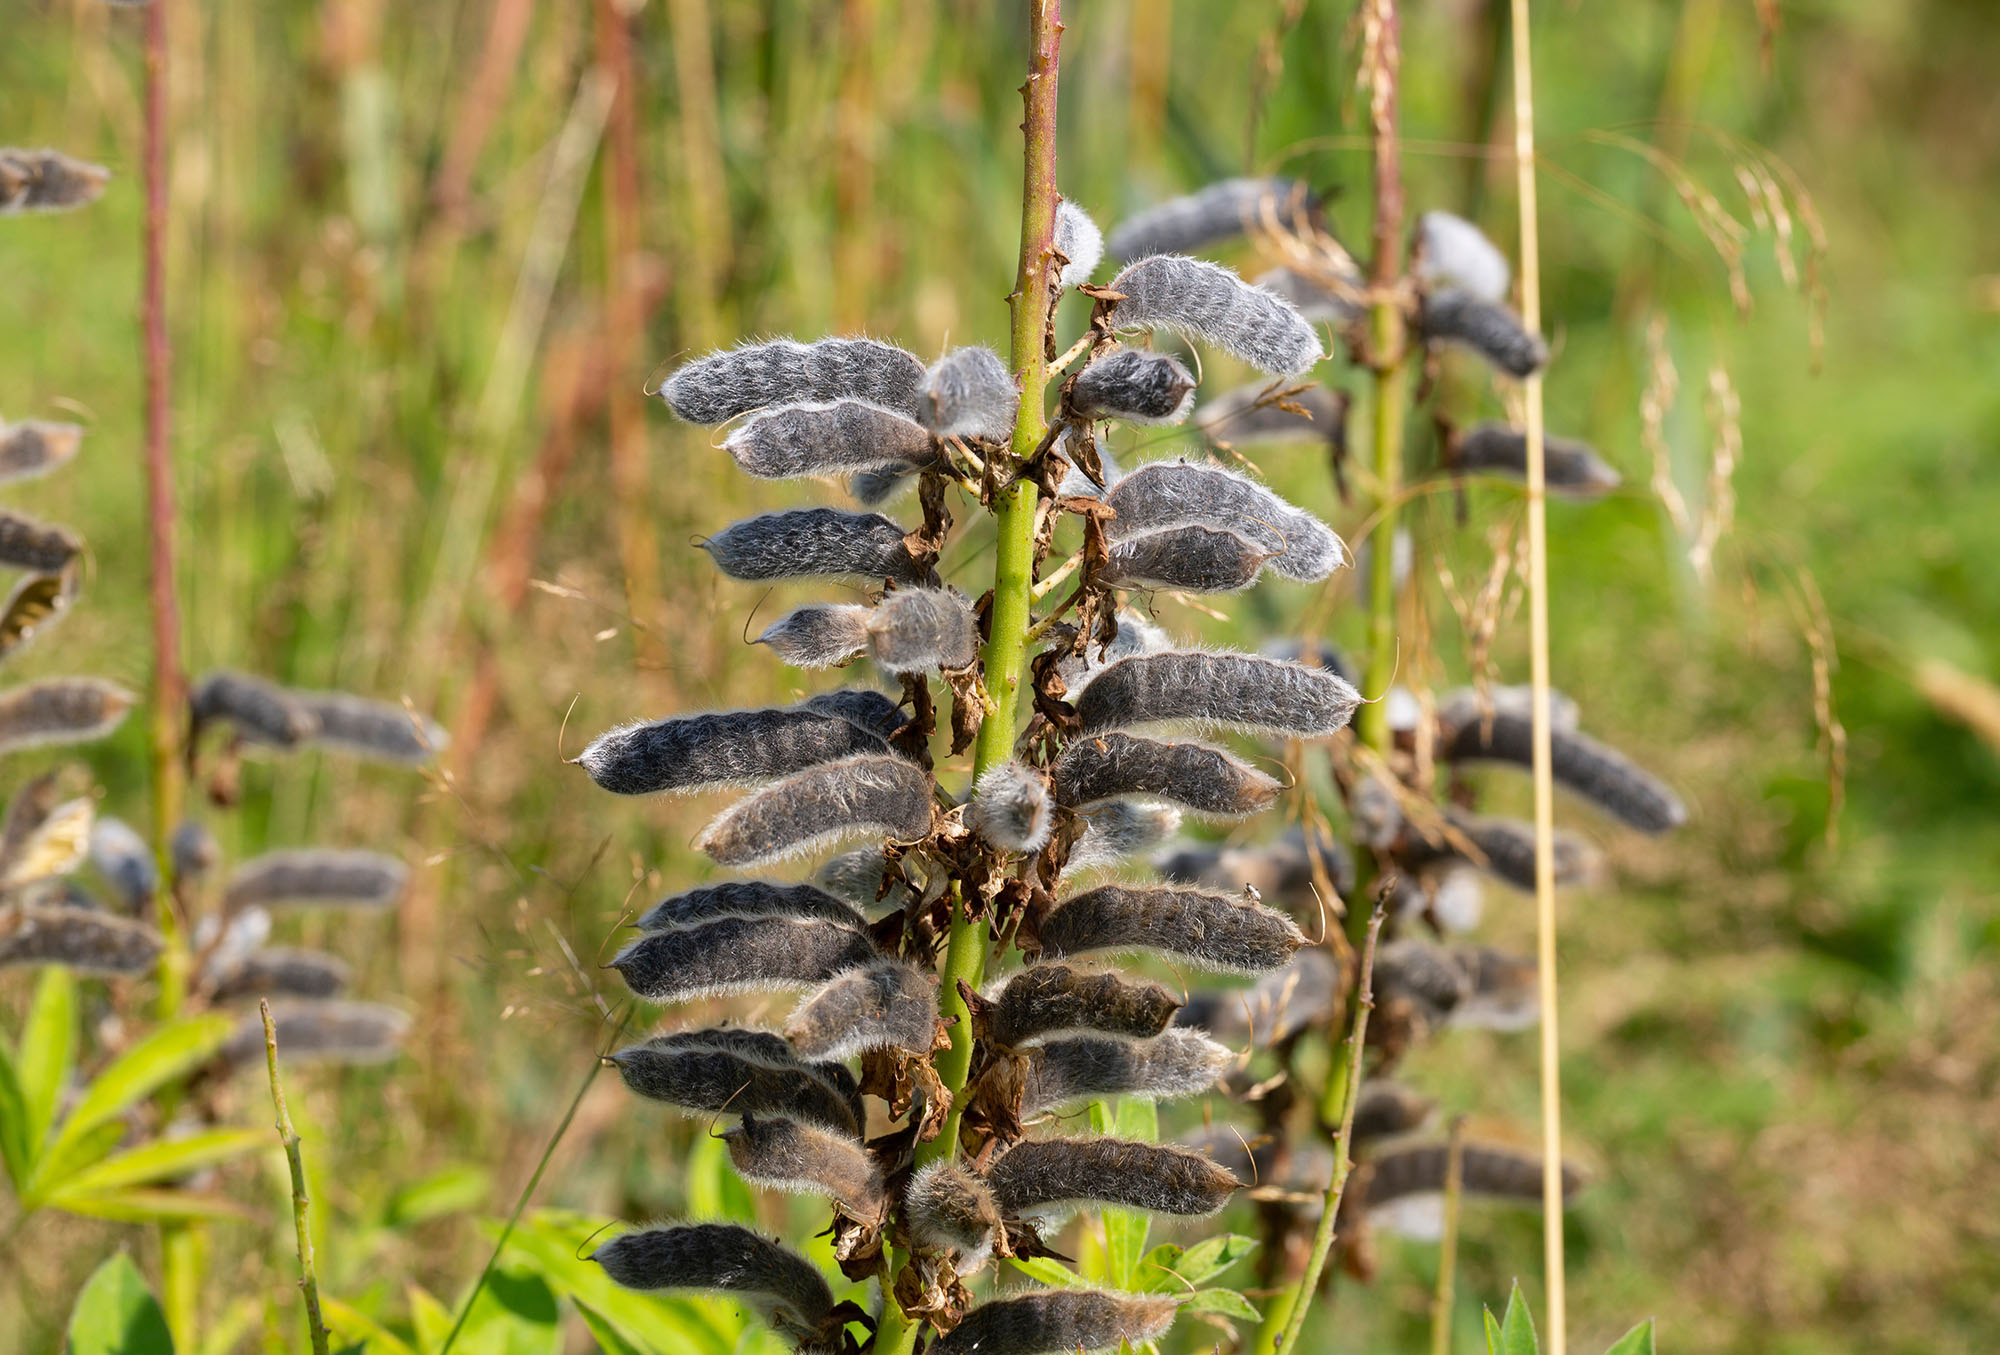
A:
950	1211
125	861
740	955
1280	869
281	971
804	1159
1243	416
1136	386
1452	252
875	487
1217	690
1043	1178
1011	807
1375	812
75	938
969	393
1488	1170
813	543
195	852
1174	1063
1501	990
1278	1006
916	630
1200	779
338	1031
748	898
1386	1109
1113	832
1053	1320
788	1293
1214	931
376	729
721	748
1165	494
1424	977
1337	298
724	1075
60	710
876	712
1492	331
1220	211
259	711
1597	772
785	372
1570	468
1046	999
35	546
1205	301
821	441
819	636
1080	243
47	181
1186	559
33	448
1508	849
888	1005
883	797
857	877
1470	703
316	877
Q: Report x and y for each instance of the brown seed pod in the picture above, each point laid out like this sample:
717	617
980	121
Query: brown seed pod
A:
1279	1005
281	971
1011	807
316	877
33	448
1187	560
1220	211
1215	931
887	1005
80	938
61	710
1047	999
1201	300
950	1211
1174	1063
47	181
1596	771
1195	776
826	441
1054	1320
734	381
739	955
353	1034
805	1159
789	1294
881	796
712	1071
260	711
692	753
748	898
1571	468
1217	690
1047	1178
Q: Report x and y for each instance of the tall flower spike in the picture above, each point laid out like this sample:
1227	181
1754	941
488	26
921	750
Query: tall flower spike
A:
32	447
722	748
969	393
316	876
1050	998
804	1159
47	181
820	441
739	955
788	1293
1186	559
61	710
1080	242
1205	301
813	543
1217	690
888	1005
1166	494
1490	330
1011	807
1173	1064
1047	1178
874	795
1198	778
1059	1320
1135	386
1571	468
735	381
1228	208
1215	931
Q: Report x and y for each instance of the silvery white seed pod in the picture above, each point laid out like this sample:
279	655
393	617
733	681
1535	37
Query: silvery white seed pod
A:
337	1031
125	861
1595	771
1492	331
1452	252
969	393
1119	830
881	797
916	630
32	447
1173	1064
1011	807
740	955
886	1005
1214	931
47	181
1135	386
1279	869
1570	468
279	971
1048	1321
1217	690
376	729
735	381
805	1159
690	753
709	1073
950	1212
1228	208
1165	494
1050	998
748	898
1046	1179
818	636
316	877
1280	1004
61	710
86	939
195	852
226	941
822	441
1195	776
1336	299
862	878
1186	559
35	546
1201	300
788	1293
1079	242
259	711
814	543
1247	415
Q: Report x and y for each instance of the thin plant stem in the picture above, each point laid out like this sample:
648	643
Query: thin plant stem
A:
308	1274
1454	1191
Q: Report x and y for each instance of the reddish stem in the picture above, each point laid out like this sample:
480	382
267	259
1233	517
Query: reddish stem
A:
168	684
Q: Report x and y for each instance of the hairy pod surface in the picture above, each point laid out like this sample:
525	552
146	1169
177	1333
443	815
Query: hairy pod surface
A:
1214	931
1278	1006
875	712
1136	635
804	1159
1200	779
47	181
1206	301
740	955
1113	832
858	878
821	441
1167	494
1501	991
126	862
887	1005
1186	559
1422	974
35	546
949	1211
883	797
969	393
61	710
1387	1109
1593	770
1337	299
32	447
259	711
1452	252
1570	468
819	636
316	876
916	630
1222	210
735	381
374	729
722	748
1174	1063
338	1031
1039	1178
716	1074
813	543
1136	386
1491	330
1505	850
1248	415
748	898
1052	998
1080	243
1011	807
281	971
1279	869
876	486
1486	1169
789	1294
1048	1321
86	939
1217	690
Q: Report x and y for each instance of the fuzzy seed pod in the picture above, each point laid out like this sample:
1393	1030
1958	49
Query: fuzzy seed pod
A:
858	877
1214	931
969	393
748	898
1046	999
194	851
316	877
803	1159
1136	635
916	630
1167	494
739	955
31	448
47	181
35	546
1244	416
1205	301
1136	386
60	710
1281	869
74	937
710	1072
887	1005
1217	690
721	748
259	711
875	487
819	636
376	729
1200	779
1228	208
1597	772
883	797
1508	846
875	712
1059	1320
1386	1109
125	861
1501	992
1186	559
788	1292
1011	808
1079	242
1424	976
813	542
1278	1006
950	1211
820	441
1336	298
1571	468
785	372
1047	1178
1452	252
36	603
352	1034
1173	1064
1123	828
1492	331
1488	1170
1307	1170
280	971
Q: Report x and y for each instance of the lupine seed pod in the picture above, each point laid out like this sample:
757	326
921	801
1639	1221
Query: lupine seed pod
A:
950	1212
1278	1006
1492	331
1488	1170
1217	690
280	971
1173	1064
1501	992
337	1031
1135	386
1053	1320
47	181
969	393
80	938
260	711
1467	704
883	797
1214	931
1422	975
36	603
735	381
1080	243
1307	1169
1386	1109
813	543
126	862
1597	772
1186	559
1338	300
1245	415
916	630
804	1159
748	898
61	710
1452	252
819	441
317	877
1508	849
1011	807
888	1005
857	878
32	447
713	1075
35	546
1121	829
1280	869
1047	999
1571	468
1205	301
739	955
721	748
1166	494
1045	1178
195	852
789	1294
1220	211
876	486
377	729
876	712
819	636
1200	779
768	1049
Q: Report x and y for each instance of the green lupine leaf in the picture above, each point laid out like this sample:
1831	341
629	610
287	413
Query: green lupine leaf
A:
1223	1302
1051	1272
1638	1341
59	1165
48	1044
352	1325
1125	1229
609	1339
1517	1327
1159	1270
171	1051
116	1314
430	1320
14	1117
140	1205
166	1159
1211	1256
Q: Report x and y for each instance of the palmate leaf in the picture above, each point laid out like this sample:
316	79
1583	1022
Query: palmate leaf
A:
1211	1256
359	1330
116	1314
48	1044
1051	1272
172	1051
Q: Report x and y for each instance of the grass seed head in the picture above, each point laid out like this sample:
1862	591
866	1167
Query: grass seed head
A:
879	796
1201	300
735	381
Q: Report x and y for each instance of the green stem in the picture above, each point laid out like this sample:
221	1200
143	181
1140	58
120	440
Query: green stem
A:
308	1274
